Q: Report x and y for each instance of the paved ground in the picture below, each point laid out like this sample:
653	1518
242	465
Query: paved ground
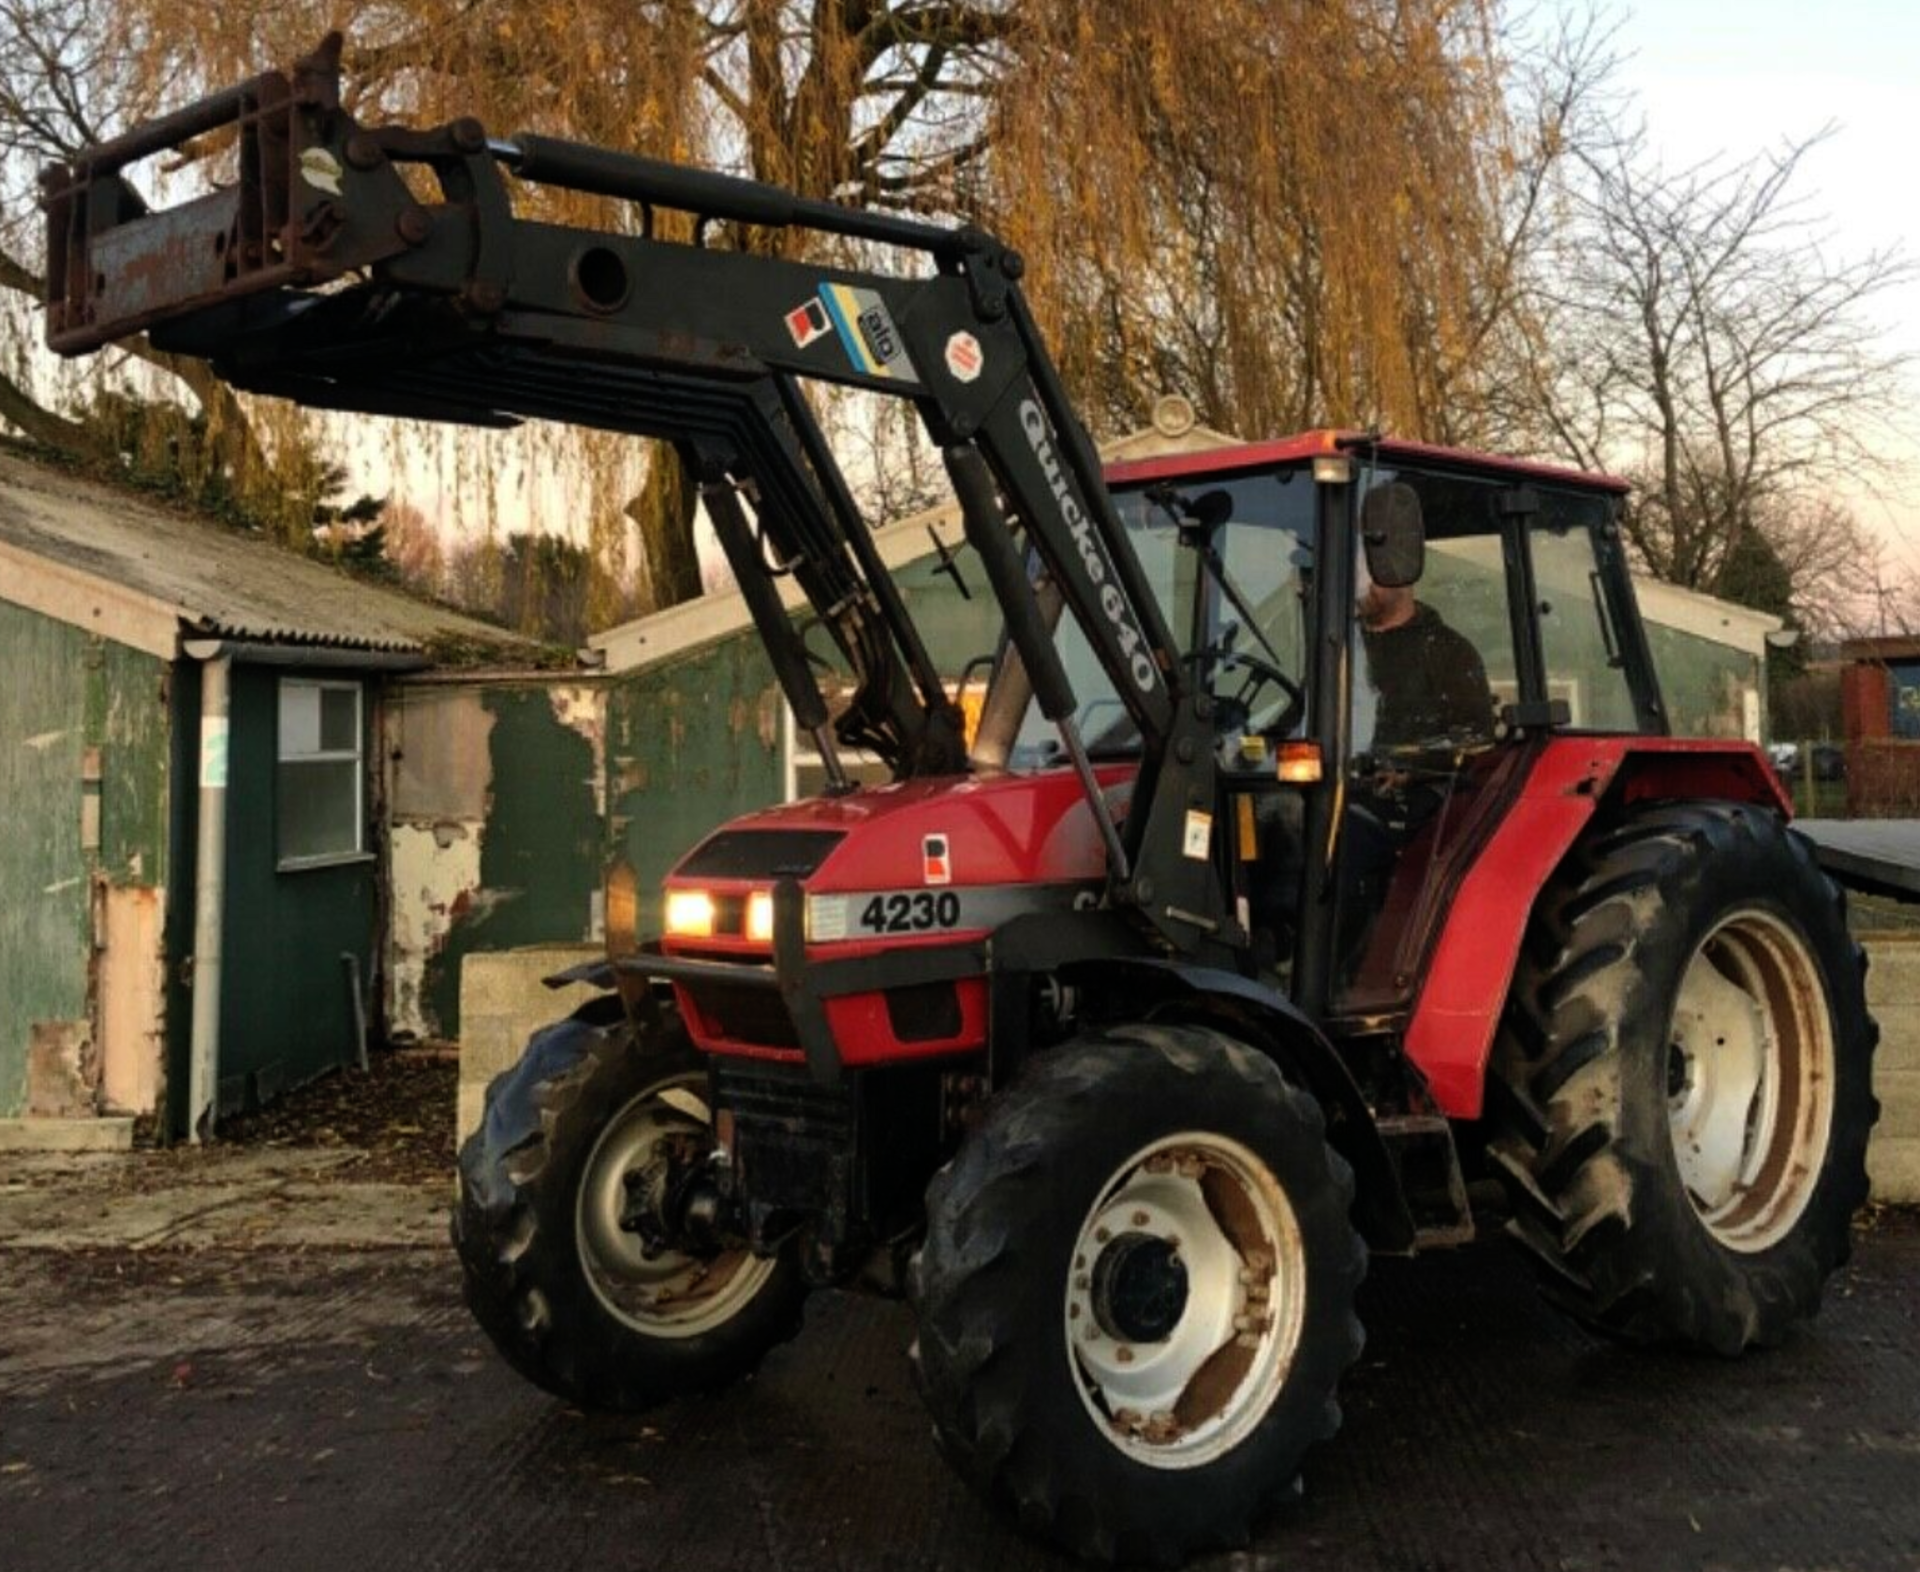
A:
274	1395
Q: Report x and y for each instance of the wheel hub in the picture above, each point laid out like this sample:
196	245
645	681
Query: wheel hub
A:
1749	1079
1139	1288
1185	1299
632	1184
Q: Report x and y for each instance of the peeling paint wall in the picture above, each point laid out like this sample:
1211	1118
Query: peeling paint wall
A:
131	997
440	778
498	832
83	757
691	743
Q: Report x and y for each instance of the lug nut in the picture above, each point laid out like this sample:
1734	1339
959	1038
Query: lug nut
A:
1141	1219
1124	1354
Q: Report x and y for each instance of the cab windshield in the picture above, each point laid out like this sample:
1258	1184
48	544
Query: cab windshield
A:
1252	531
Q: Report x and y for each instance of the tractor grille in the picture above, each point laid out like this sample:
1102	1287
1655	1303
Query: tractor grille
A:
793	1138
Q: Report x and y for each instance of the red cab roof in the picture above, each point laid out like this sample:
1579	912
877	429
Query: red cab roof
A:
1260	455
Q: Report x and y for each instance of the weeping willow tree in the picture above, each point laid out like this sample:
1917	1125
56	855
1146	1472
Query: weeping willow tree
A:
1293	211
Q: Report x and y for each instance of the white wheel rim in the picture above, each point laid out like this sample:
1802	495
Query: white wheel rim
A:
1750	1080
1195	1390
668	1293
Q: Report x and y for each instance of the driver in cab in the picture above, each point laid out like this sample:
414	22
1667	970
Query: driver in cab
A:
1430	682
1431	701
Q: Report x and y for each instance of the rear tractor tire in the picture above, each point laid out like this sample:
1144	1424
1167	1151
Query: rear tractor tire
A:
573	1300
1135	1299
1683	1080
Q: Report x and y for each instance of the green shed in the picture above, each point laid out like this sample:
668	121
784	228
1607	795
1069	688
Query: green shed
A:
191	907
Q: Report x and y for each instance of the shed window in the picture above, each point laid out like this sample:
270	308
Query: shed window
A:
320	807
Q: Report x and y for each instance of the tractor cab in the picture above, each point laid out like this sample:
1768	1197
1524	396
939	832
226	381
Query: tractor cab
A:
1472	606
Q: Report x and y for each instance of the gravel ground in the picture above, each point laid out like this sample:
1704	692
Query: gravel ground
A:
301	1408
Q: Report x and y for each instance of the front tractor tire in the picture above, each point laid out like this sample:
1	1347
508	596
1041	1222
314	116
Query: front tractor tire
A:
1683	1080
1135	1298
577	1303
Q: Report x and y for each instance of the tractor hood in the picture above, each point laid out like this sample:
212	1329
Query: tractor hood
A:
957	831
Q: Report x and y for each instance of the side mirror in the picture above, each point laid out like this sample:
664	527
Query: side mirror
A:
1394	534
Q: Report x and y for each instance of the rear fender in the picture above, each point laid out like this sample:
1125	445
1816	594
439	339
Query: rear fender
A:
1268	1021
1450	1035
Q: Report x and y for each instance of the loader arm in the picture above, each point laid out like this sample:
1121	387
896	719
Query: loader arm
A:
318	275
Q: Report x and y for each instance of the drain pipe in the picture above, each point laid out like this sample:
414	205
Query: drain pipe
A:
209	891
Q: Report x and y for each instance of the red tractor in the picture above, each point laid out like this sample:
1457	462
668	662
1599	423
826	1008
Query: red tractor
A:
1320	852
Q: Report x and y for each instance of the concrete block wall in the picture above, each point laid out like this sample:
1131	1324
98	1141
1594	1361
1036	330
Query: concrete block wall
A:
504	1000
1893	994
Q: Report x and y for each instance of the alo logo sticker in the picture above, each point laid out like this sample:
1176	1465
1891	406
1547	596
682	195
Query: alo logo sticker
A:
865	328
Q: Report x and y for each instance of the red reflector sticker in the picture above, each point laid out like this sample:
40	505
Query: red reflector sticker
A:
936	867
965	358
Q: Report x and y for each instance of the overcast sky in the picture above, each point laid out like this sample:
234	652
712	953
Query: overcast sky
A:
1738	76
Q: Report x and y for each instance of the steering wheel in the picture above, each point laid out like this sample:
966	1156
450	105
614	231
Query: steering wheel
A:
1236	710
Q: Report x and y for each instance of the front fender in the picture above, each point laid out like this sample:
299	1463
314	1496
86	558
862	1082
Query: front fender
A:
1264	1018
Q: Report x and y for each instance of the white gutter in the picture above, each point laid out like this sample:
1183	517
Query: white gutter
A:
209	891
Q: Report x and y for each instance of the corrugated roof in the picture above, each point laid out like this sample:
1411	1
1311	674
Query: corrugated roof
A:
217	581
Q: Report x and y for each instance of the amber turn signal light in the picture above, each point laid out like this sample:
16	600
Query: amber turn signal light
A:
1299	763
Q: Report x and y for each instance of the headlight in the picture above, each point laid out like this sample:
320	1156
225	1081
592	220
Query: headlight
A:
690	914
760	916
